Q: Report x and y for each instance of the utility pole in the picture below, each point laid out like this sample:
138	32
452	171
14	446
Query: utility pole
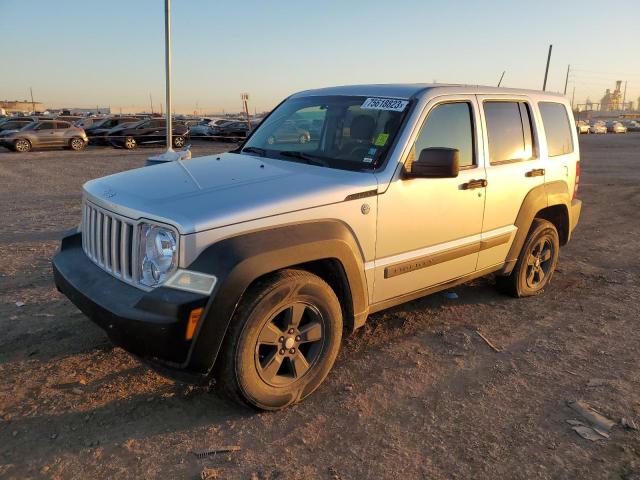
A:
33	104
245	105
624	95
501	77
546	72
167	52
151	101
566	80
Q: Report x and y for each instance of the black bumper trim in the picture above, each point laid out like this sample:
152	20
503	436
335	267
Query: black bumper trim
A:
148	324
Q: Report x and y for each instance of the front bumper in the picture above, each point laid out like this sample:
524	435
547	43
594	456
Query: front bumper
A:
150	325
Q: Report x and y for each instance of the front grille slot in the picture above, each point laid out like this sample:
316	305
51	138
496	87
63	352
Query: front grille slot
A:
109	240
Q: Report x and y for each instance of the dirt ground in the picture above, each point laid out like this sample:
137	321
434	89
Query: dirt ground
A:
414	394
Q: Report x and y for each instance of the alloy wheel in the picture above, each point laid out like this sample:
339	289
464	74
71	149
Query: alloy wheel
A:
539	262
289	344
22	146
130	142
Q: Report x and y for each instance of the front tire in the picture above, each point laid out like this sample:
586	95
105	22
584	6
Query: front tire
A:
536	263
22	145
130	143
76	144
282	341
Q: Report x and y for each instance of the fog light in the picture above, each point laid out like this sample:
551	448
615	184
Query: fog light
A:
194	318
195	282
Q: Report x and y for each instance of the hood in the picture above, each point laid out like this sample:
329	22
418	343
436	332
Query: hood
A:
218	190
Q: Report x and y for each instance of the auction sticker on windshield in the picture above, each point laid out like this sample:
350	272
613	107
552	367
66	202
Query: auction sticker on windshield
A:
393	104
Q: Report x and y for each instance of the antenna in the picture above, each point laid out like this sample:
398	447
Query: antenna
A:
501	77
546	72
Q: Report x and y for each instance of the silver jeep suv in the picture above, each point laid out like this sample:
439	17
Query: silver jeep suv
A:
250	266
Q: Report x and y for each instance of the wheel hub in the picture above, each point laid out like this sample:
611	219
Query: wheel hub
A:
289	343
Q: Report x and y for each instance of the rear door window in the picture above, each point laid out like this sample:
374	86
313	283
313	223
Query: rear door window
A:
62	125
509	131
557	128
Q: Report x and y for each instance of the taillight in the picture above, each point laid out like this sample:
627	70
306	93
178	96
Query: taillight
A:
577	181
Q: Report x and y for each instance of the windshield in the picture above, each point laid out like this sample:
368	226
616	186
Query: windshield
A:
335	131
13	125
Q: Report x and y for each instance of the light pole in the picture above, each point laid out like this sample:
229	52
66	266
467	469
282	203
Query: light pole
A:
167	56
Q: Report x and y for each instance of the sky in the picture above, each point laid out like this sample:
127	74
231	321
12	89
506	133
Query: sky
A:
80	53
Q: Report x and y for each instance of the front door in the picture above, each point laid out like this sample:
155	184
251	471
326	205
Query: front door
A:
46	134
429	228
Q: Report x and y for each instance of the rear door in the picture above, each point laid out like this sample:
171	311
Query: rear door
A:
560	148
60	134
514	166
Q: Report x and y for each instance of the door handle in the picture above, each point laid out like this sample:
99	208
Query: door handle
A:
471	184
536	172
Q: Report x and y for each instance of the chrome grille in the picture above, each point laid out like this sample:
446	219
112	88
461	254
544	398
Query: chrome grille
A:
110	241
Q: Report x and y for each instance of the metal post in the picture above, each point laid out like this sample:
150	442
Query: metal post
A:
167	51
546	72
573	96
33	104
151	101
566	80
624	96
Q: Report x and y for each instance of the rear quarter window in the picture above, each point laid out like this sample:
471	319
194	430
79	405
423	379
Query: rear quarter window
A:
557	128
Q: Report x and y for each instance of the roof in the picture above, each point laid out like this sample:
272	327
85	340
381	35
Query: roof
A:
409	90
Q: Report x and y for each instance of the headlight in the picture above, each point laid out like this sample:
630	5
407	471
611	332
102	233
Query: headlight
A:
158	254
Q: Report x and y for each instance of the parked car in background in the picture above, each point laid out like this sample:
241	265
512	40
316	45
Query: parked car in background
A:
87	122
616	127
208	127
16	123
69	118
231	131
598	127
582	126
632	125
289	132
44	133
150	131
98	131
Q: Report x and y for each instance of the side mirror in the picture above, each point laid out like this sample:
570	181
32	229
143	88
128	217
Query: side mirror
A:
437	162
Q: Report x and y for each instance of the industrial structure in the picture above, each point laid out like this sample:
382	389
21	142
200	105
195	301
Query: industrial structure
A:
16	106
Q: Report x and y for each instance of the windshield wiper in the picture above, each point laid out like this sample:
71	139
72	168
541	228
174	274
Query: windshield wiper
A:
260	151
308	158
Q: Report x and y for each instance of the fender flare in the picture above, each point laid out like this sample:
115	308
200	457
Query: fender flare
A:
538	198
238	261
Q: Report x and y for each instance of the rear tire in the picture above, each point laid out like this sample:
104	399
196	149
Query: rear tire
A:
22	145
282	341
178	142
76	144
536	263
